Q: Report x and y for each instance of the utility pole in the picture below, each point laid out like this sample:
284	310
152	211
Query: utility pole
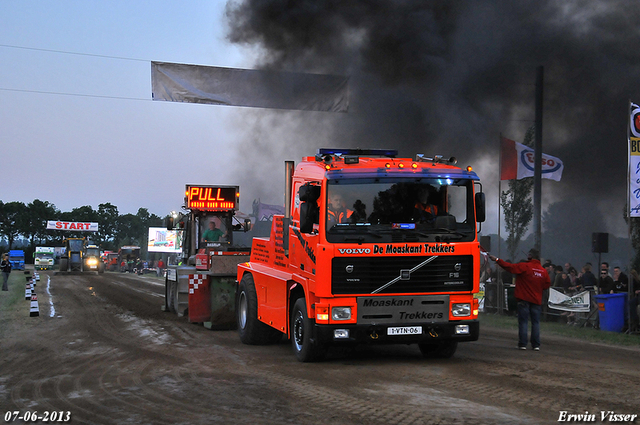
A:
537	175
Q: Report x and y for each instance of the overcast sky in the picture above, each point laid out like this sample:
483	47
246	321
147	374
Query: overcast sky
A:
78	126
78	123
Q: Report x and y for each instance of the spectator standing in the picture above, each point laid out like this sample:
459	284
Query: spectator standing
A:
574	282
605	283
487	273
587	278
551	270
605	266
567	266
634	301
5	266
558	282
160	267
531	281
620	280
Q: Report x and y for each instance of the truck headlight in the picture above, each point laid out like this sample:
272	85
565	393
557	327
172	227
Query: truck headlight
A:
458	310
92	262
341	313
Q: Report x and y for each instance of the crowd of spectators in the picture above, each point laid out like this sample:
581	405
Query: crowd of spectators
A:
568	280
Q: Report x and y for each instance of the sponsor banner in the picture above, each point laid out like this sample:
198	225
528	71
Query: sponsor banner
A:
579	302
634	160
518	162
69	225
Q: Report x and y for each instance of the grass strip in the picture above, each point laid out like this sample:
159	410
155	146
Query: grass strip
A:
562	329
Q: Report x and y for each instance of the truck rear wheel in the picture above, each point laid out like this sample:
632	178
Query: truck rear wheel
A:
442	349
305	349
251	330
64	264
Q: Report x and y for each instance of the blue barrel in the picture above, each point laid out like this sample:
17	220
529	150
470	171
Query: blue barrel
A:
611	310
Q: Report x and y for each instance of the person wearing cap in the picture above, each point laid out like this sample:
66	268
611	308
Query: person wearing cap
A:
531	281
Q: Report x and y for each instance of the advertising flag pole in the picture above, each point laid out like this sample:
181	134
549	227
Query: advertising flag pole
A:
537	178
630	280
499	290
499	190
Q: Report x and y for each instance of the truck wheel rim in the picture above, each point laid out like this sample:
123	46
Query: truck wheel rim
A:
298	331
243	310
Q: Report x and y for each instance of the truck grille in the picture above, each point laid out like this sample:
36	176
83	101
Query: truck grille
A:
364	275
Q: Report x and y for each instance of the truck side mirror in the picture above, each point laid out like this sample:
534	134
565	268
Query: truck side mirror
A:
309	193
481	213
168	222
308	216
247	225
309	211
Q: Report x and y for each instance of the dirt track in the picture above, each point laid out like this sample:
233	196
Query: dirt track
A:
109	355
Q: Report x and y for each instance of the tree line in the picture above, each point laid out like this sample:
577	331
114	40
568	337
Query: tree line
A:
29	221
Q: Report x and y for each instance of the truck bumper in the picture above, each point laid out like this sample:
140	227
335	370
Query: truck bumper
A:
378	334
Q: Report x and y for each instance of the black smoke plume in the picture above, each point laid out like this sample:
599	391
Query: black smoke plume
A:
448	77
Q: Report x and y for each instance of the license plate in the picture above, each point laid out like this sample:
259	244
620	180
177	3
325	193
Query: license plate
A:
405	330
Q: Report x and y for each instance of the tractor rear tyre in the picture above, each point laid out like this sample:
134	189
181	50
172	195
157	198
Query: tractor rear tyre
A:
251	330
64	264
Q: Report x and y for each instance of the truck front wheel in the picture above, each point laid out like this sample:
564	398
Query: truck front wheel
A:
305	349
251	330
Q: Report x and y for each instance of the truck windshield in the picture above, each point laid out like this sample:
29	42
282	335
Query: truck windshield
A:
93	252
400	210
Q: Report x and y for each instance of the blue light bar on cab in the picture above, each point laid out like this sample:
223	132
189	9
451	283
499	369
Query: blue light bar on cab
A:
392	153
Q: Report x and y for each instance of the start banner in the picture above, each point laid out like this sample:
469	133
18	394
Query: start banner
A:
70	225
580	302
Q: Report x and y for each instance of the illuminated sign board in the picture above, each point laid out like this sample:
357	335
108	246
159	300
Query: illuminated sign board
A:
211	198
163	240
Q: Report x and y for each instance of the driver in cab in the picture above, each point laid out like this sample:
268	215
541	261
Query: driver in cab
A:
337	211
426	208
213	234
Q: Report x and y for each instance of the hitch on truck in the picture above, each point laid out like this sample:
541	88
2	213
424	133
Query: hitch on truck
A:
372	249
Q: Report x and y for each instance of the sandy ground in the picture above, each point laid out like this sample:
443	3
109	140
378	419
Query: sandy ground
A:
102	352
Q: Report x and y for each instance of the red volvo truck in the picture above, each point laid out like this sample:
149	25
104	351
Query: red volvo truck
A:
371	249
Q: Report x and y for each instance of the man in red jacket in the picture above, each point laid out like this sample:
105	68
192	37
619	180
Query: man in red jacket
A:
531	280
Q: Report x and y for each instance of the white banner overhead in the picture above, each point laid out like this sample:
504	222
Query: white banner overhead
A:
175	82
69	225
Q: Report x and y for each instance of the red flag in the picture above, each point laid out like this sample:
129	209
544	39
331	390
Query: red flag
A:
509	160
